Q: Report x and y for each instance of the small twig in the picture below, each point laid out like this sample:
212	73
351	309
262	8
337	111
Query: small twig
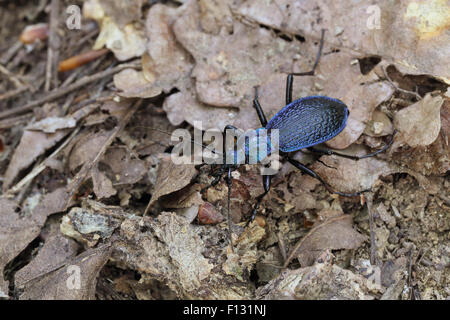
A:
12	122
11	52
373	244
53	47
282	247
11	77
55	94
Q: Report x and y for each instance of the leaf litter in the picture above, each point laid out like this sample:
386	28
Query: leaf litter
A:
124	206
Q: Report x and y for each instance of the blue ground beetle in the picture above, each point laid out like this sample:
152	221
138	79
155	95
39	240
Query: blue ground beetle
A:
302	124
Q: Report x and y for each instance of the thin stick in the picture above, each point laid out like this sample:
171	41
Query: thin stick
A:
53	46
63	91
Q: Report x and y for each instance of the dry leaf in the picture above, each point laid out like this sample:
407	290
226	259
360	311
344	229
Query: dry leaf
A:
103	187
32	144
165	64
55	251
117	30
16	233
387	29
420	123
335	233
51	124
75	281
171	177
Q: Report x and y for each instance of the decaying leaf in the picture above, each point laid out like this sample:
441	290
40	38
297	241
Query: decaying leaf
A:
420	123
55	251
16	233
171	177
322	281
334	233
383	28
76	280
117	30
125	169
165	64
182	255
32	145
103	187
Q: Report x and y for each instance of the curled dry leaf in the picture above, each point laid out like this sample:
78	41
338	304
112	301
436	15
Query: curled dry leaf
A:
124	169
322	281
420	123
60	284
334	233
119	29
171	177
55	251
16	233
347	175
103	187
32	144
165	63
400	26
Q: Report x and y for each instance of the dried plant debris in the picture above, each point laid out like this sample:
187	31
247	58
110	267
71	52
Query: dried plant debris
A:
75	280
182	255
318	282
381	28
334	233
171	177
119	29
78	170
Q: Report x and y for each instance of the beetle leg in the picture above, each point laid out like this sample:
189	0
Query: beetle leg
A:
330	152
266	184
313	174
229	182
290	77
259	110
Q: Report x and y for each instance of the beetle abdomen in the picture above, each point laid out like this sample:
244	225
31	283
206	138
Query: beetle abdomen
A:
309	121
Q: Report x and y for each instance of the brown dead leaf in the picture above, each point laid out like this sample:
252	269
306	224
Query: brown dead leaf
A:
402	25
55	251
125	169
75	281
103	187
335	233
171	177
420	123
16	233
32	144
165	64
87	148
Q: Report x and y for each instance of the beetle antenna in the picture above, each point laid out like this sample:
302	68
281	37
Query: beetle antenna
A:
192	140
